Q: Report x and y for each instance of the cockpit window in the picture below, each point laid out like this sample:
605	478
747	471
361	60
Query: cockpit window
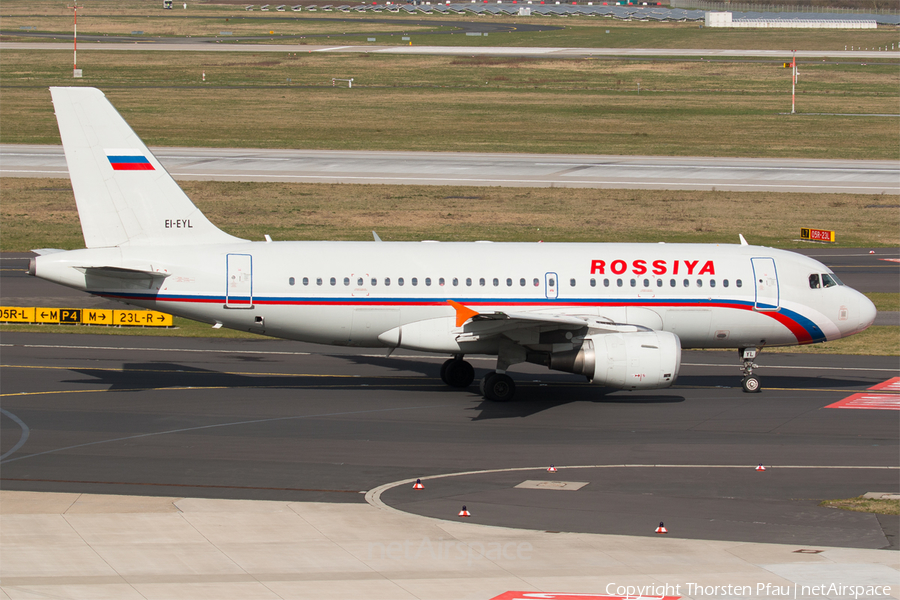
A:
814	281
830	280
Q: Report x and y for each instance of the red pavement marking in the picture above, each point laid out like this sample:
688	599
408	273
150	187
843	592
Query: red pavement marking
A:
890	259
869	401
873	401
891	385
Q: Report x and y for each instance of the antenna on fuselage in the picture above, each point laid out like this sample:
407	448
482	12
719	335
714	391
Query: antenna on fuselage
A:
743	241
375	235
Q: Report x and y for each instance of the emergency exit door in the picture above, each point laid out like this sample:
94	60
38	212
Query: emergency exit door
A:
239	287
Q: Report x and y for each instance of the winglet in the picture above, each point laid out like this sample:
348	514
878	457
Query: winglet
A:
463	313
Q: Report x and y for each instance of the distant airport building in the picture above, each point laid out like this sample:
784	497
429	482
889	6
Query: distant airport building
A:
724	19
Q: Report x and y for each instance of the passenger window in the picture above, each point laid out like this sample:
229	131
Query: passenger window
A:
606	283
481	281
827	280
619	282
686	283
469	281
496	282
699	283
724	283
814	281
522	282
387	281
291	281
712	283
671	283
659	283
572	282
634	283
346	281
441	281
333	281
359	282
537	282
646	283
414	281
400	281
738	283
455	282
508	282
428	281
593	282
374	282
552	282
318	281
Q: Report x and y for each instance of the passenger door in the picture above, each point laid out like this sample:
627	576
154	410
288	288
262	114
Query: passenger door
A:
765	283
239	285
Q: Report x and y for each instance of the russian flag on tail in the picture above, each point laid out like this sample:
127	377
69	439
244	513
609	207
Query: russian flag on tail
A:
128	160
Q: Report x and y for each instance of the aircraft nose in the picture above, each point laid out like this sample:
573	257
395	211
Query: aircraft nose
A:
866	313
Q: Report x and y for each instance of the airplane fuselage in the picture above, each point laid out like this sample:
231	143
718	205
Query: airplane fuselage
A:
350	293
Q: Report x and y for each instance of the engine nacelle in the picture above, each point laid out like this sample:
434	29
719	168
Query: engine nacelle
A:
641	360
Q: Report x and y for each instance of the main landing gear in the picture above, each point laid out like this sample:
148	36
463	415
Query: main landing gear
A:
750	383
498	387
457	373
495	386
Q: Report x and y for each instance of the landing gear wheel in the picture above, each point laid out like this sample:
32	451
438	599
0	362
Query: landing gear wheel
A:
751	384
444	369
457	373
498	387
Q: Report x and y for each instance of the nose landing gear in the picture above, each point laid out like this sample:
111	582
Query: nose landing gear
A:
750	383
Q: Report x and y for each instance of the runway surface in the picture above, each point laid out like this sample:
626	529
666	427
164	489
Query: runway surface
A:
484	169
217	46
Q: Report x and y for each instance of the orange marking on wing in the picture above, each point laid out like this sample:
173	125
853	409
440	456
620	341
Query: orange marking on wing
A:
463	313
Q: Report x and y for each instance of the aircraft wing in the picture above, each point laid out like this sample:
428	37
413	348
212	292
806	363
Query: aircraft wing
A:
531	328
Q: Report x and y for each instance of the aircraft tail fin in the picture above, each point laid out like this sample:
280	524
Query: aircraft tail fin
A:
124	195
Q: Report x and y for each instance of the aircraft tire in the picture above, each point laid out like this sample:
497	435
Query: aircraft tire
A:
751	384
457	373
444	368
498	387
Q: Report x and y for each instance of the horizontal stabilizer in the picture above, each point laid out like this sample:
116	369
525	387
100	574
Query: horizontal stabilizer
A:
119	278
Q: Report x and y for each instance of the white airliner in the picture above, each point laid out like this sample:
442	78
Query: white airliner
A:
618	314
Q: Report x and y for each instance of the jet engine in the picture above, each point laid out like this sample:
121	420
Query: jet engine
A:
641	360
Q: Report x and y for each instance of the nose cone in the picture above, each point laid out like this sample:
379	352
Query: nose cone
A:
866	313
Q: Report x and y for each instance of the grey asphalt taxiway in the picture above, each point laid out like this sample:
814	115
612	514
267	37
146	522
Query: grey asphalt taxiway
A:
278	420
487	169
287	421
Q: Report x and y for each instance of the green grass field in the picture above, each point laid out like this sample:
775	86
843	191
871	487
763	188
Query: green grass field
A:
464	104
38	213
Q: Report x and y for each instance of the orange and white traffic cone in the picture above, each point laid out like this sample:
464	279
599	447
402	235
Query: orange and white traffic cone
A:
464	512
760	467
552	469
661	528
418	485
